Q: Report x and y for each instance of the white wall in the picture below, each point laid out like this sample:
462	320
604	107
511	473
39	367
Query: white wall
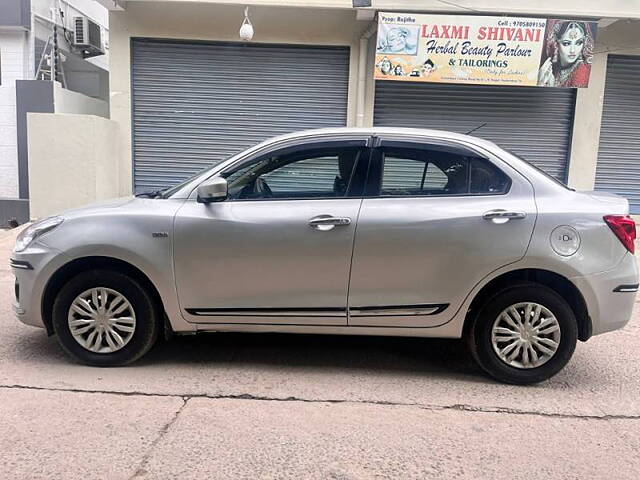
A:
97	13
13	50
71	161
67	101
17	62
545	8
88	8
72	8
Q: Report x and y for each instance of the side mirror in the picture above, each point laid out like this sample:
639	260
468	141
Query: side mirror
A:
213	190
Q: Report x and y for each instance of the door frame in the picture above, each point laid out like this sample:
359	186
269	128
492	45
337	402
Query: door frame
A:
427	315
302	316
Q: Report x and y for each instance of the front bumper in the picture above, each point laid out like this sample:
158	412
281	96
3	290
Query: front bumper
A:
33	267
610	307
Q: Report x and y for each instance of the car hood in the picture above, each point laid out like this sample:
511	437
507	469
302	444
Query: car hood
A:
124	205
96	207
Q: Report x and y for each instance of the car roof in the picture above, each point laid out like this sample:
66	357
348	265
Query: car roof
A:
396	131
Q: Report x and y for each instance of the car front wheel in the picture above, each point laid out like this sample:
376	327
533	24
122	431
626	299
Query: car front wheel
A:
105	318
524	334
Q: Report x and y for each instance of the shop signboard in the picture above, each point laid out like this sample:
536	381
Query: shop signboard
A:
484	50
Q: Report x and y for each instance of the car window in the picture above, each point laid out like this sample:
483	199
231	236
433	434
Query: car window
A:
315	173
487	178
435	178
411	172
401	173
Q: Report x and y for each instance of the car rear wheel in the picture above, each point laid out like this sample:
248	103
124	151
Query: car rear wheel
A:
105	318
524	334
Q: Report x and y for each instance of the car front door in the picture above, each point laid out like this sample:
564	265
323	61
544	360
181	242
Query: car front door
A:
436	220
278	249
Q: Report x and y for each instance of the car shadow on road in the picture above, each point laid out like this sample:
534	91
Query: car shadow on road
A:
247	353
334	352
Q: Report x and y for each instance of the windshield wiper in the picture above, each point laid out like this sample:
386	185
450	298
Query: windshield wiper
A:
151	194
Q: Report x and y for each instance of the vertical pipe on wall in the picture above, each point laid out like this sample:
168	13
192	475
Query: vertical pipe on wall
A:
362	73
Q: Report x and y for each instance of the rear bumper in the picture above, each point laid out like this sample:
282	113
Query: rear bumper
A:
610	306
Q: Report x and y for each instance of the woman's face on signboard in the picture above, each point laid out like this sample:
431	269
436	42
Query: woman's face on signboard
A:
570	46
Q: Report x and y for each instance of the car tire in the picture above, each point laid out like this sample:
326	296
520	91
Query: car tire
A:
136	329
488	337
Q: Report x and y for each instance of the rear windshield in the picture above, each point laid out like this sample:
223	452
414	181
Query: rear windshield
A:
550	177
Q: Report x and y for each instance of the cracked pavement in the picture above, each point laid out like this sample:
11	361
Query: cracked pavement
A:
298	406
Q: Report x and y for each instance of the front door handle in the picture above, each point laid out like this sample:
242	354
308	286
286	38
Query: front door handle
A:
503	216
328	222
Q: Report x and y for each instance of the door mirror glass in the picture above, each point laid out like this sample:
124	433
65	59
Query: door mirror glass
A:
213	190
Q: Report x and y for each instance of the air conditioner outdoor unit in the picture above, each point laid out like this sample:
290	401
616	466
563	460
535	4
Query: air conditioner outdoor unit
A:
87	37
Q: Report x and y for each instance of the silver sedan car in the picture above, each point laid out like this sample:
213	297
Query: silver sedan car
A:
377	231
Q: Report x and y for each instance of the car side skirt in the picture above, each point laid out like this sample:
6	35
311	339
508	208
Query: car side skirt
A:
443	331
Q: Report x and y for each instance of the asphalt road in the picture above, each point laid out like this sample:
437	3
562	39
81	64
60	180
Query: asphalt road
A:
297	406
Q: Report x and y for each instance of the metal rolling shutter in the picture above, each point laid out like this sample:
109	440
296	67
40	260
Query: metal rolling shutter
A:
618	169
196	104
532	122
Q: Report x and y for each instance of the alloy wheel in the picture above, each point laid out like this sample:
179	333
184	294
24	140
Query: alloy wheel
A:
525	335
101	320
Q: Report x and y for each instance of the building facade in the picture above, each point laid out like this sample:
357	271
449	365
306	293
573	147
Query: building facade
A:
25	28
186	91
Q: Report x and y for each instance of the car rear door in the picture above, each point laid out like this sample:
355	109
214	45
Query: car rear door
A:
436	219
278	250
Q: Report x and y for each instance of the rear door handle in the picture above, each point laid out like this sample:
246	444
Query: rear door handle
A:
503	216
328	222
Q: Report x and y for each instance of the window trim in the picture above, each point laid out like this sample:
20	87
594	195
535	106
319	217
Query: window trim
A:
361	166
376	167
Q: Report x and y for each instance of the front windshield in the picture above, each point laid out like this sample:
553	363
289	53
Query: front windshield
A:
202	175
169	191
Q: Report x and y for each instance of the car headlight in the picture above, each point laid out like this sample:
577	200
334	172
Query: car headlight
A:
32	232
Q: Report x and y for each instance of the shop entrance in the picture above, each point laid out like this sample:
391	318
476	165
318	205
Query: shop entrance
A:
532	122
618	169
197	103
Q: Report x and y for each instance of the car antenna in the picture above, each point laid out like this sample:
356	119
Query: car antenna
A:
477	128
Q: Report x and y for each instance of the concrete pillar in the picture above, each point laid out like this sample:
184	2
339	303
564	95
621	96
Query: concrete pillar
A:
370	87
586	127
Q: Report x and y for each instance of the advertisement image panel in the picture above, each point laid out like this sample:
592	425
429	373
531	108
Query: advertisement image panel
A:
484	50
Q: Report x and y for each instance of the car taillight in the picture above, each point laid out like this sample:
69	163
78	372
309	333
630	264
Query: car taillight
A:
625	229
